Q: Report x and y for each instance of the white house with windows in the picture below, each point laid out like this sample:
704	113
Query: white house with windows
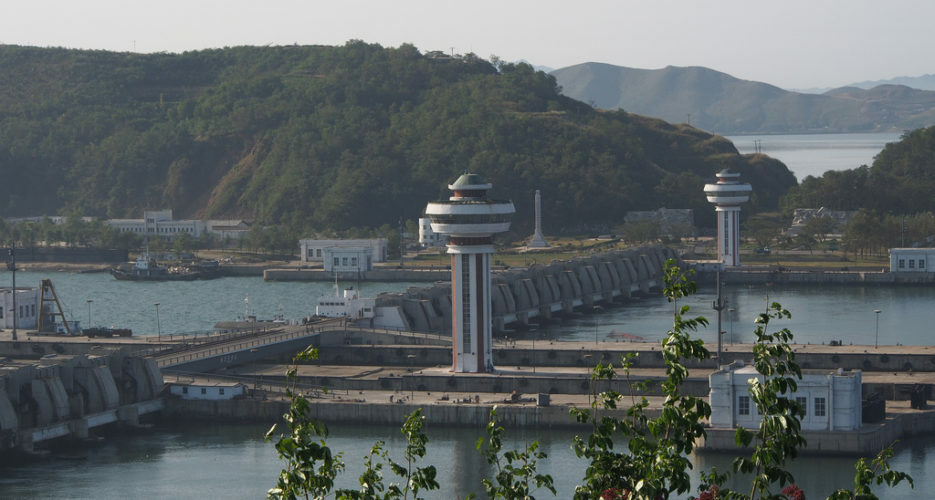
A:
429	238
911	260
348	259
313	250
831	398
27	308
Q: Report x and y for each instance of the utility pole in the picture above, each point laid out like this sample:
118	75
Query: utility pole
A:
13	268
402	246
719	305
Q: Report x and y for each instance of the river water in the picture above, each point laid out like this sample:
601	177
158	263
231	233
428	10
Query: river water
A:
233	461
815	154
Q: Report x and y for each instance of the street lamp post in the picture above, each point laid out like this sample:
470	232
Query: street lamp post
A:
876	336
158	329
89	312
731	318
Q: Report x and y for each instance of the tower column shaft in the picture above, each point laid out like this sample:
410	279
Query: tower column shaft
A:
728	231
470	313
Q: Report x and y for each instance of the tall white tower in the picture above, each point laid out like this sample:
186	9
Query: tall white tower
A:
538	241
727	195
470	220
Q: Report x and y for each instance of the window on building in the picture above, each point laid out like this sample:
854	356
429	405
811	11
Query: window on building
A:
1	312
343	261
318	252
353	261
185	390
912	263
311	253
743	405
803	402
902	263
819	407
221	391
204	390
921	263
20	311
337	261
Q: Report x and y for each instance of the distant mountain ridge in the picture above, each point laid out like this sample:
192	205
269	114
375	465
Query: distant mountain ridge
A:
720	103
923	82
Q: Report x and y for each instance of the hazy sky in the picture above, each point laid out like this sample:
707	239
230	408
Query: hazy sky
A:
789	43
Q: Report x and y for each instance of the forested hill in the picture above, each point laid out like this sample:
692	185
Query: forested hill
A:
900	181
718	102
333	138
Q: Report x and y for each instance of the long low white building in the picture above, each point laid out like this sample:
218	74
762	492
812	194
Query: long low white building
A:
831	398
161	223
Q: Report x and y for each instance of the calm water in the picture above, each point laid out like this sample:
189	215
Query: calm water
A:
233	461
184	306
817	153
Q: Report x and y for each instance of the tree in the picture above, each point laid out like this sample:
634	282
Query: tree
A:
819	227
512	481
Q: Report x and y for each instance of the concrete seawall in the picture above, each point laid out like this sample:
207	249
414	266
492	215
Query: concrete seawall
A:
754	276
297	274
451	413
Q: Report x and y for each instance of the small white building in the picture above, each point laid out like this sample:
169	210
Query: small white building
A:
27	308
348	259
314	250
911	260
429	238
213	391
831	398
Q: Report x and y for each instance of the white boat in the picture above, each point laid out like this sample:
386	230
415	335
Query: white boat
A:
349	305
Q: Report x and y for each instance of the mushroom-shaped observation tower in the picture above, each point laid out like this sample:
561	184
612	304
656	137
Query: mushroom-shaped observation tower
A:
727	194
470	219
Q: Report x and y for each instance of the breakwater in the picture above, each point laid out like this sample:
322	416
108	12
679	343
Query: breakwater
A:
380	274
755	276
540	291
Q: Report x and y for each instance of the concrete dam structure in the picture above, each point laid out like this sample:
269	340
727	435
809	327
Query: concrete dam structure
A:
60	395
541	291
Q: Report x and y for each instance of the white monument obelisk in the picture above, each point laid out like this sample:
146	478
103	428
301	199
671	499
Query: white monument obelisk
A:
538	241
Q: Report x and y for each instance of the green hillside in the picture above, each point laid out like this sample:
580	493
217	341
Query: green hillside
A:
718	102
900	181
331	138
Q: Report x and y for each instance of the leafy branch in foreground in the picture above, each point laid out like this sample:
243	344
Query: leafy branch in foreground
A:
779	437
415	478
655	462
310	466
878	472
512	481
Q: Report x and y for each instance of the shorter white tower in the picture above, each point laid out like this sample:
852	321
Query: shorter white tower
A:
727	195
471	220
538	241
